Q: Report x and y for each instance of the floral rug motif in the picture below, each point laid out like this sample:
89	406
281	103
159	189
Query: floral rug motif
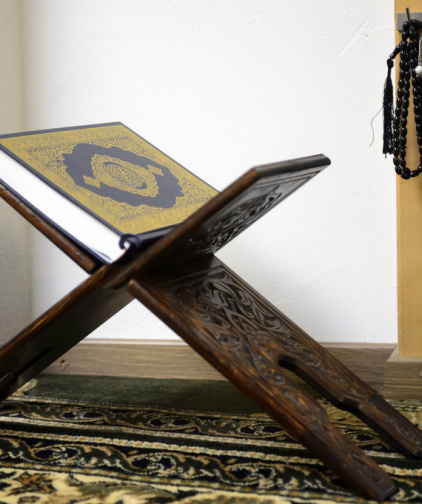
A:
97	440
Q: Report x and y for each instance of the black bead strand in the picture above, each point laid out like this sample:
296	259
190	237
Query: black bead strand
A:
408	50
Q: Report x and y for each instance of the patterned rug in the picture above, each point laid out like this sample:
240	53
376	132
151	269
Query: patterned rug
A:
95	440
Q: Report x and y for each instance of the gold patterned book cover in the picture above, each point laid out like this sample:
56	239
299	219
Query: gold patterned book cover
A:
113	174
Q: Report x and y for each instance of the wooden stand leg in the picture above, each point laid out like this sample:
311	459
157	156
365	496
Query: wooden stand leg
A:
301	354
211	309
292	348
59	329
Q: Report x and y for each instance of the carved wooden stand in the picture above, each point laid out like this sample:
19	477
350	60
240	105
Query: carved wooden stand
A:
232	326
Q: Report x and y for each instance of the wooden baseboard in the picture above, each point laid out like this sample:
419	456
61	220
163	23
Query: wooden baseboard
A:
175	359
403	378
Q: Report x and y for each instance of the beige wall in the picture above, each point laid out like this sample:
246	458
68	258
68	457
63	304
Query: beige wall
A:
221	86
14	261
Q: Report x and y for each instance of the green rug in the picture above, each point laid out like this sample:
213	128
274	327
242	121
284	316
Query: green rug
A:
95	440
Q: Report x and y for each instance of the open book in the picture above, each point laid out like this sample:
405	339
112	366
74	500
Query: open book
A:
103	185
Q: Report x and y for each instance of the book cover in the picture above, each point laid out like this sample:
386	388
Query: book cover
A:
112	173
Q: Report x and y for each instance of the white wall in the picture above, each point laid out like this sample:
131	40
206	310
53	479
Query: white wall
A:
221	86
15	289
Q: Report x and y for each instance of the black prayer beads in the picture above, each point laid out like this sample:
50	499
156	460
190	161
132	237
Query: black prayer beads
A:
409	55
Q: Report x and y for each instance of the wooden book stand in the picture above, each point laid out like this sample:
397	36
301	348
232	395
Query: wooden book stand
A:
232	326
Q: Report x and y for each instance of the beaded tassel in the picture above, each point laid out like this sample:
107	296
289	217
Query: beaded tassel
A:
388	111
